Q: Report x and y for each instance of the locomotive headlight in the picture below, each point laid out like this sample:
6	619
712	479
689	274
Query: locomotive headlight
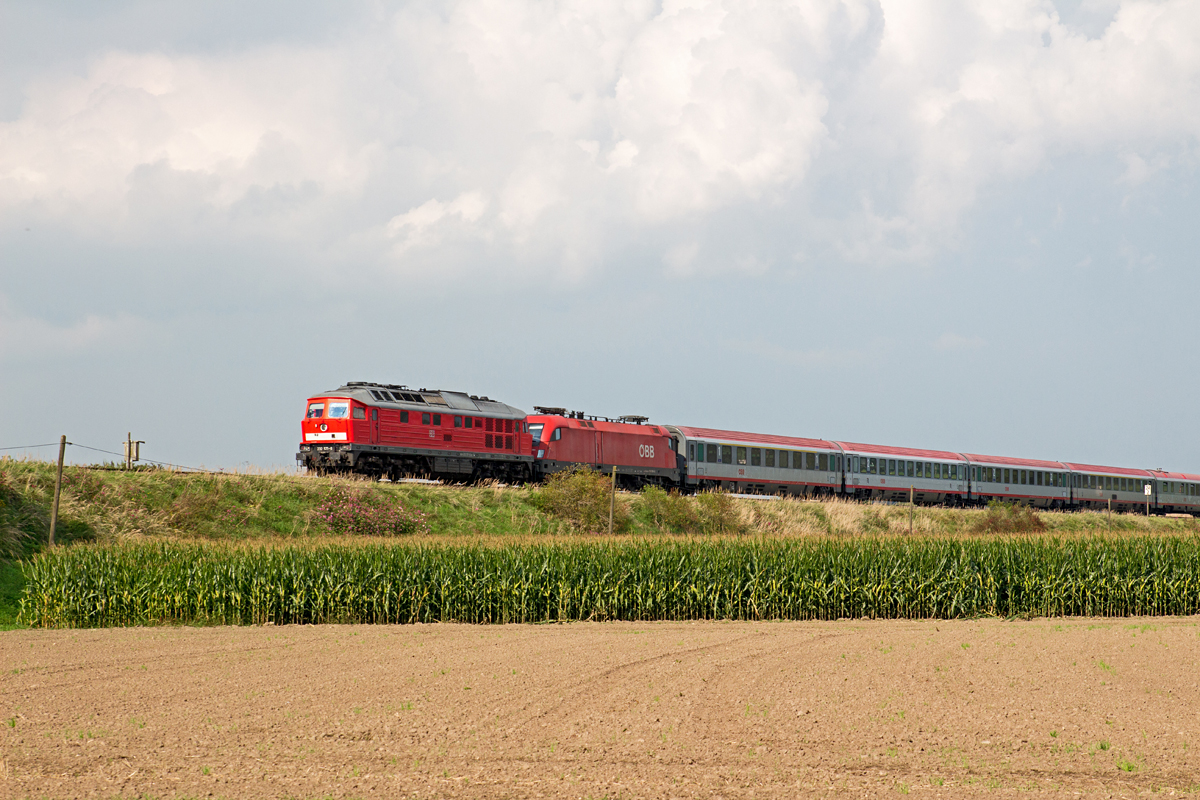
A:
324	427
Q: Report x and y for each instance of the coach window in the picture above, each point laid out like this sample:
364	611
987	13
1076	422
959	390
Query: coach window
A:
769	458
909	466
823	461
755	457
726	454
425	418
870	466
892	466
741	456
713	453
315	410
358	412
696	451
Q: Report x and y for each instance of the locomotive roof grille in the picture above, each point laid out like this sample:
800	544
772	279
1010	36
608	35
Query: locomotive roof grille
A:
443	400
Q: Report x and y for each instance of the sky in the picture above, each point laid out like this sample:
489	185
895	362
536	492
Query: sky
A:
969	226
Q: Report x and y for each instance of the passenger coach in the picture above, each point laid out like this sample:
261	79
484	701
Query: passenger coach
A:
758	463
877	472
1044	484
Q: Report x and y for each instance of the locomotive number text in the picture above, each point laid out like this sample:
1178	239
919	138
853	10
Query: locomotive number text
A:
646	450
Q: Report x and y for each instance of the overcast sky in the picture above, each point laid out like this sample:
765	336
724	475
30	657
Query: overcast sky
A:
969	226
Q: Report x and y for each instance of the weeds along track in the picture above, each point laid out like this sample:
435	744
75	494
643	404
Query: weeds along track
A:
680	579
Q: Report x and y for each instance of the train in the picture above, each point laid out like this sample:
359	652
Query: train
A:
391	431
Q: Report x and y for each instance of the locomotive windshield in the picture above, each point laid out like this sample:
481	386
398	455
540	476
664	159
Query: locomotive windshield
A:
315	410
339	410
535	431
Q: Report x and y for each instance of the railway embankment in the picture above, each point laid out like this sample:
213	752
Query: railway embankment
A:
226	514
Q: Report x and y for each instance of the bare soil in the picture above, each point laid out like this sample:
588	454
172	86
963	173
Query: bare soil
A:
990	707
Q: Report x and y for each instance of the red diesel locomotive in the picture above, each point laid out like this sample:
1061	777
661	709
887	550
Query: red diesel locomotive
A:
386	430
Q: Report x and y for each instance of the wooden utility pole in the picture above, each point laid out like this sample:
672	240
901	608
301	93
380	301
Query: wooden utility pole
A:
62	449
910	509
612	500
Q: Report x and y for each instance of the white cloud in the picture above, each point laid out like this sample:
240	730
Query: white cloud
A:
428	222
564	131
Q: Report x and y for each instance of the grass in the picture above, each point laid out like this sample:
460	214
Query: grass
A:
115	506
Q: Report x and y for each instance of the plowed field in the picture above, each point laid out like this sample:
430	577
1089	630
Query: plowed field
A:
1042	707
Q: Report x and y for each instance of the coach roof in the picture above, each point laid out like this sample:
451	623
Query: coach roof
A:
1050	466
738	437
907	452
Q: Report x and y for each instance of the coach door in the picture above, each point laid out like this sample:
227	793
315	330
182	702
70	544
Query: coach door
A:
374	426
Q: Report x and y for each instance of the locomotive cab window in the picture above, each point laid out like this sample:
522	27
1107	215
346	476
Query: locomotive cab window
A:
554	437
535	429
339	410
315	410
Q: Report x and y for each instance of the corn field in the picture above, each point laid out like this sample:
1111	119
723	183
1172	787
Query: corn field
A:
137	584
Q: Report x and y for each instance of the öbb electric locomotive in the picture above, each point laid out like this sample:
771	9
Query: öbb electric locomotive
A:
387	430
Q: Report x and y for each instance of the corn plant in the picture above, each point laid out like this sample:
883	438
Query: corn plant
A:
678	579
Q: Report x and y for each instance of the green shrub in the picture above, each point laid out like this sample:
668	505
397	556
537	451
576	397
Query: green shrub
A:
717	513
669	511
354	511
581	497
